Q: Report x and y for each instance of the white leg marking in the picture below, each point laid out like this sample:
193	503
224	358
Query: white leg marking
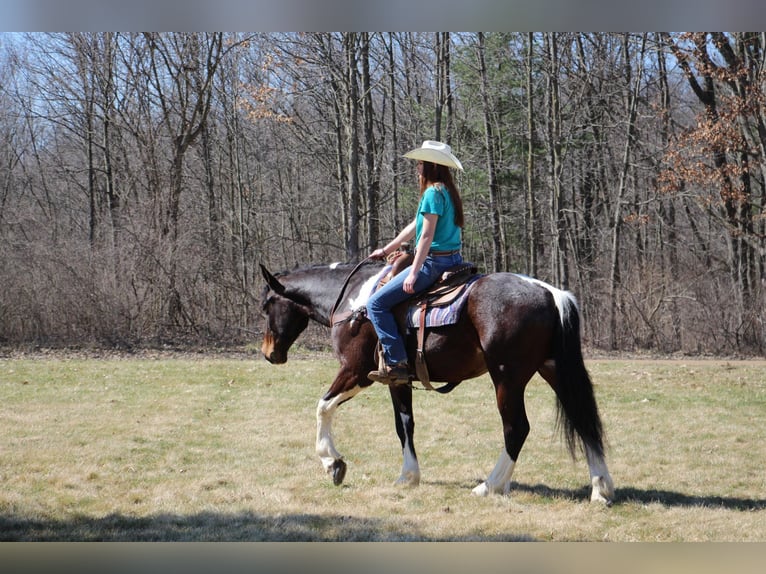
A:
499	480
410	467
600	480
325	446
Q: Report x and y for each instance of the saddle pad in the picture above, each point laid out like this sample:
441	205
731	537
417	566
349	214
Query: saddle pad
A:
441	316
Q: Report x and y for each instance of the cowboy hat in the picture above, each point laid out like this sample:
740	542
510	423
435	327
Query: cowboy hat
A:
435	152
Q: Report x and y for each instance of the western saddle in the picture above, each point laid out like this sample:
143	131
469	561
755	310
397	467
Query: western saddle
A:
446	290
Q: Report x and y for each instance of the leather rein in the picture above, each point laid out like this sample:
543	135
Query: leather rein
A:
343	290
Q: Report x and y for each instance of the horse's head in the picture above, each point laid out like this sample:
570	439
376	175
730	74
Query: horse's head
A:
291	299
286	318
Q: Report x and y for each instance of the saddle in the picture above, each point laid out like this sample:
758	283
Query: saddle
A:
447	289
443	292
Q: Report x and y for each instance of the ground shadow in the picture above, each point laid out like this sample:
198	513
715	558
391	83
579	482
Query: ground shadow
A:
253	527
219	527
623	495
629	494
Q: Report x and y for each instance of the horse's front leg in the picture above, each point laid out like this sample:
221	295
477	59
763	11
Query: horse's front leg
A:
332	461
401	398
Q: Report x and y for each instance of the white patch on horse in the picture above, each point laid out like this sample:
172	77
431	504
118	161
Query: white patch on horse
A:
499	480
564	300
367	289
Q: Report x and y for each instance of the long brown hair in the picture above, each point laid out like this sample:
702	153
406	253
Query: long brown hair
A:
437	173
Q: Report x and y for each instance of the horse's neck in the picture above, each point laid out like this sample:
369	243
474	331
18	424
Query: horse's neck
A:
351	291
322	293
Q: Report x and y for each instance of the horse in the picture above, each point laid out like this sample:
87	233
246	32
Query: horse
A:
512	326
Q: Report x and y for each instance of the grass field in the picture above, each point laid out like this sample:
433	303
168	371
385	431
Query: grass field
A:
222	449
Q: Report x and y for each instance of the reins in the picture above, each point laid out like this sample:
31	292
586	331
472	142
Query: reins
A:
343	289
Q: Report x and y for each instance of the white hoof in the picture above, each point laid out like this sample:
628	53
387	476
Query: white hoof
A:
481	490
408	480
484	489
602	490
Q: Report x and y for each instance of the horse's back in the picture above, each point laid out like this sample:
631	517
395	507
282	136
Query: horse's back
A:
513	312
502	293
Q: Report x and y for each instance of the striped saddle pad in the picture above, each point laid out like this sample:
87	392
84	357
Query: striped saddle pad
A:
441	315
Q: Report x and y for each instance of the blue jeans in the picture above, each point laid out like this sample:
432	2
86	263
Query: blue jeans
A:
383	300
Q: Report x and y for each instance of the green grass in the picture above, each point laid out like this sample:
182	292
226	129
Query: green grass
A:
223	449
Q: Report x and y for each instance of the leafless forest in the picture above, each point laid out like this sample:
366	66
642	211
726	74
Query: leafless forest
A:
143	177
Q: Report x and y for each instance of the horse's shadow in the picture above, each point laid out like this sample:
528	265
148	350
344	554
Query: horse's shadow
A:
634	495
627	495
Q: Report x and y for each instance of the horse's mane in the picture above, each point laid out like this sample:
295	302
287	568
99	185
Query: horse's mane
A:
320	266
312	268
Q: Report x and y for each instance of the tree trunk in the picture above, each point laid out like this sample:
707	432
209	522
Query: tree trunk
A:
498	247
615	278
530	213
370	149
559	270
352	141
394	132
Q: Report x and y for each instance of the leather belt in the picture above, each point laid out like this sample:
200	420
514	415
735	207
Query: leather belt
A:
442	253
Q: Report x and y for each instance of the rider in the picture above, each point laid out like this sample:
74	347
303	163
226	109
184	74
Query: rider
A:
437	229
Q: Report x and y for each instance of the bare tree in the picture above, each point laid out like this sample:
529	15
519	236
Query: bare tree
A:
183	67
143	176
631	102
731	135
530	212
498	242
559	267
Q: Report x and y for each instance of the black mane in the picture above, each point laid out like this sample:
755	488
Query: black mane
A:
318	286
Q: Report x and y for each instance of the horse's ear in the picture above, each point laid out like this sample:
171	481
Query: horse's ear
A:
272	281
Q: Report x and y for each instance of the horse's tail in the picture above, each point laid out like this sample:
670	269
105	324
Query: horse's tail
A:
578	414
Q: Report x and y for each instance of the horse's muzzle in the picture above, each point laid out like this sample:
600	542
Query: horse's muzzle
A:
275	358
271	353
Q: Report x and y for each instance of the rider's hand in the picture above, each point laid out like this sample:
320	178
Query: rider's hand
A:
409	284
378	254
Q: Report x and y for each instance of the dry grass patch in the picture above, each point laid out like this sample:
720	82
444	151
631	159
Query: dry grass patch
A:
223	449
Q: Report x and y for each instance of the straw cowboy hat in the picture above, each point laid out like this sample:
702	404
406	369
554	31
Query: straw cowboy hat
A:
435	152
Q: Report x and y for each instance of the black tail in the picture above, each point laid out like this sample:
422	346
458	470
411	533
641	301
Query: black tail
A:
577	410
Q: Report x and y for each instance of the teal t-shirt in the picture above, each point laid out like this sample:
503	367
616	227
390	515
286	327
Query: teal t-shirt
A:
436	199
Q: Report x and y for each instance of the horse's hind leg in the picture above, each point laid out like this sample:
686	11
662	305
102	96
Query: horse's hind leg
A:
401	397
509	390
602	487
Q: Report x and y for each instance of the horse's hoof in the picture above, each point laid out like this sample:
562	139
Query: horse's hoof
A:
602	490
408	480
481	490
601	499
485	489
338	472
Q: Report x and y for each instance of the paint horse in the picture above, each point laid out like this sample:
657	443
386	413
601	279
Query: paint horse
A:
511	327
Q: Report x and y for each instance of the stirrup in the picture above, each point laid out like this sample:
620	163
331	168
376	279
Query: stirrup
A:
391	375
